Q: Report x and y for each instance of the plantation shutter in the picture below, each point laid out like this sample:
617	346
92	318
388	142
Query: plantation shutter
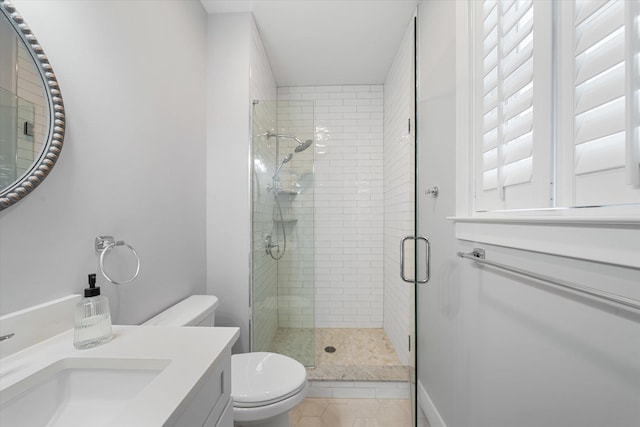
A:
605	82
506	90
489	96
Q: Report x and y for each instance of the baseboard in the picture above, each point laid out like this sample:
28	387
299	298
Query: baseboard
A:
429	409
359	389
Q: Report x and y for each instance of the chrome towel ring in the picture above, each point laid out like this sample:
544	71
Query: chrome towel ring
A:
103	245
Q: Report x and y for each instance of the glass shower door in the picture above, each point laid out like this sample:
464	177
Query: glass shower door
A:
264	270
282	229
401	198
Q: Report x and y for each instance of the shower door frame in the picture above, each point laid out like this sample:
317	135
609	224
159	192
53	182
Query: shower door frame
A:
413	314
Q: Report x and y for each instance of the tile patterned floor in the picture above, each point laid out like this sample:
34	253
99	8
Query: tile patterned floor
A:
313	412
295	342
355	346
362	354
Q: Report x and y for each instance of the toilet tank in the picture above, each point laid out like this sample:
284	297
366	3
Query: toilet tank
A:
196	310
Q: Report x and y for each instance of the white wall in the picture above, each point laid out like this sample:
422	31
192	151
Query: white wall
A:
228	136
529	347
238	72
438	302
132	164
494	349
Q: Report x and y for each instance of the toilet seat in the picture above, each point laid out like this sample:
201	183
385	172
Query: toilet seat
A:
241	404
277	409
260	379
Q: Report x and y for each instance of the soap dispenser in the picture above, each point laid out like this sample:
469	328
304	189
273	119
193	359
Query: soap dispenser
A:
92	318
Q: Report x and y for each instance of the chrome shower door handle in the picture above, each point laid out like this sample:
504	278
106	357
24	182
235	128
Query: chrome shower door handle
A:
427	259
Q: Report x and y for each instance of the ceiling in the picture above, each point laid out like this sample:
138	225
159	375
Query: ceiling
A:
326	42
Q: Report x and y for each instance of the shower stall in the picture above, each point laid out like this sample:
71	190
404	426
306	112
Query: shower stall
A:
325	232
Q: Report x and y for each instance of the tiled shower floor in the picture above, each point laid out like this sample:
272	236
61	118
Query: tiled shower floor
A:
361	354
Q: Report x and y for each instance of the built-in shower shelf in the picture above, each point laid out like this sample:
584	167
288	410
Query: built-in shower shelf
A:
287	193
287	220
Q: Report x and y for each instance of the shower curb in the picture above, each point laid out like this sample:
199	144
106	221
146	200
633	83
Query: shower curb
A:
359	389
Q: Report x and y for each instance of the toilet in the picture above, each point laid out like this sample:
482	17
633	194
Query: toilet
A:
264	386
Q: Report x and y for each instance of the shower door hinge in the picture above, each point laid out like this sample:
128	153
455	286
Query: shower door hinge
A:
409	125
409	336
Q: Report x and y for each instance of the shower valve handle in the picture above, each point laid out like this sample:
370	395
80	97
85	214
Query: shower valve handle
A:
270	244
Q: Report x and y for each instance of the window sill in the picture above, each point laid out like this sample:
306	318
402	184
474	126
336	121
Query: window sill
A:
612	240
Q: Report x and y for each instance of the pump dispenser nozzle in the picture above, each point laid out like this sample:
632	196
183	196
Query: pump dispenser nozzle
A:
92	290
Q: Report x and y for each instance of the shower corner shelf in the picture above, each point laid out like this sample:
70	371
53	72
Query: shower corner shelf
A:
287	193
286	220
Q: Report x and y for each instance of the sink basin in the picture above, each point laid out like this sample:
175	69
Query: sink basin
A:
76	392
143	377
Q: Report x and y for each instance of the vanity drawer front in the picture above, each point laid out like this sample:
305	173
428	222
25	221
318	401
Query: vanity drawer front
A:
220	420
210	397
223	400
226	420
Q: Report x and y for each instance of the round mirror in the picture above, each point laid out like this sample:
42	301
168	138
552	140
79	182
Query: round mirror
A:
31	110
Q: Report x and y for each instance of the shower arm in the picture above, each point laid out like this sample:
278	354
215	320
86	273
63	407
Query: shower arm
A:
284	135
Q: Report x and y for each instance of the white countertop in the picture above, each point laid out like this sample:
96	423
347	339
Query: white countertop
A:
185	353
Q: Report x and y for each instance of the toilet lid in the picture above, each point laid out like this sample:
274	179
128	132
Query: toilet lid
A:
259	379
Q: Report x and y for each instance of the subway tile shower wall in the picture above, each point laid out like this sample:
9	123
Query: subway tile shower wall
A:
31	108
348	198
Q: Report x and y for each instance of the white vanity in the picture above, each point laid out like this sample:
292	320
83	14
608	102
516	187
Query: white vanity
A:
143	377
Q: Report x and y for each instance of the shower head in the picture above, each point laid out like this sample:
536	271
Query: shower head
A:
285	160
301	147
